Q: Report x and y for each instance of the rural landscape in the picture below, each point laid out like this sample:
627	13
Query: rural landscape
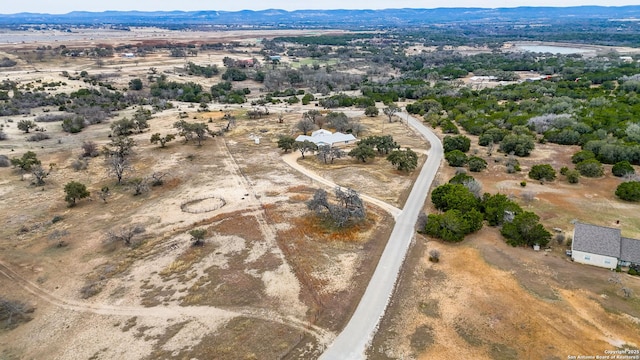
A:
390	184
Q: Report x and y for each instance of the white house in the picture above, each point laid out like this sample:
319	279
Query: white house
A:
603	246
327	138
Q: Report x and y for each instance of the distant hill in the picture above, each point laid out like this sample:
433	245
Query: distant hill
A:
326	18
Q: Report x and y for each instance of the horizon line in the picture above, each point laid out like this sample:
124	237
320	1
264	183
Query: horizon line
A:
328	9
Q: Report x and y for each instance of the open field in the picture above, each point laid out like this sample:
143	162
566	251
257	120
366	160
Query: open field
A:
271	281
488	300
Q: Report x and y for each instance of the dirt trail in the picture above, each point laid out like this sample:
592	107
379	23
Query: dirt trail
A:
291	160
167	312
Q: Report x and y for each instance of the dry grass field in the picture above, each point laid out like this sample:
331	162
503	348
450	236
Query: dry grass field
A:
271	281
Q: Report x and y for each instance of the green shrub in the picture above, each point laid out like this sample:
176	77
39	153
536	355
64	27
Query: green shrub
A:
542	172
456	158
476	164
629	191
459	142
523	183
622	168
590	168
633	271
582	156
573	176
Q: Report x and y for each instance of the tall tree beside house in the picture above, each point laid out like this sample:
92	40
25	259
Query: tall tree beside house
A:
525	229
305	125
286	143
305	147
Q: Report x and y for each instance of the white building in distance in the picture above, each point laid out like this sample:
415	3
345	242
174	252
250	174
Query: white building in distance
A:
327	138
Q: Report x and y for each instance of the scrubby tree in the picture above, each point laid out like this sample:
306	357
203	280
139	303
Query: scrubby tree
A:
117	166
520	145
89	149
512	165
525	229
135	84
590	168
305	125
476	164
406	160
286	143
39	174
629	191
454	196
383	144
26	125
633	132
458	142
120	146
123	127
201	130
163	140
498	208
28	160
313	115
13	312
460	177
305	147
125	234
75	191
139	185
453	225
583	155
197	236
371	111
622	169
362	152
349	209
328	153
338	120
390	111
456	158
542	172
184	129
573	176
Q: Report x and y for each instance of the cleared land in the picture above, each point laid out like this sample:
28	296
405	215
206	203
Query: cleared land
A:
270	281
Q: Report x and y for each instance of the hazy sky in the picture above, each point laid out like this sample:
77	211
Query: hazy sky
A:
65	6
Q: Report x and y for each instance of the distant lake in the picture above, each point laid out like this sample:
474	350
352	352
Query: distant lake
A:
553	49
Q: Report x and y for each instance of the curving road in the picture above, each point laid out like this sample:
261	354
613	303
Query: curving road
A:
352	342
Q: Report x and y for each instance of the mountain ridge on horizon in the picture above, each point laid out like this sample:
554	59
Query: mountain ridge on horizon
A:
329	17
